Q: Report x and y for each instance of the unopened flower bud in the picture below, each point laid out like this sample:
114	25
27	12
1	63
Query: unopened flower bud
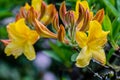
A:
61	33
99	16
62	12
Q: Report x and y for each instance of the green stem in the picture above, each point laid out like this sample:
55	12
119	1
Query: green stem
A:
114	45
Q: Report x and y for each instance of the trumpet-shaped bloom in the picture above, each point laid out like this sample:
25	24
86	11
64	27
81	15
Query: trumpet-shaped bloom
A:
44	13
85	5
92	45
83	25
21	40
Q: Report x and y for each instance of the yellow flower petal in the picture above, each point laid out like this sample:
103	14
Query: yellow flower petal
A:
96	37
13	49
27	6
36	4
29	51
34	36
84	57
83	3
91	15
21	25
81	38
14	30
11	31
77	9
99	55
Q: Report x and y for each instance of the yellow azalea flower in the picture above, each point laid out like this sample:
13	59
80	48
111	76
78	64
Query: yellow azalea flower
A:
85	5
45	13
92	45
89	16
21	40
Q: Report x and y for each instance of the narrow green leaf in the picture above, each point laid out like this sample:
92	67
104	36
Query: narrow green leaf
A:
57	50
111	8
107	26
118	5
64	52
110	54
116	27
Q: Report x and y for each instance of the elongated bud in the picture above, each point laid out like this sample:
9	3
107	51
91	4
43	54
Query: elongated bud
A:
43	31
49	14
31	15
22	14
70	19
18	17
43	9
86	21
5	42
61	33
99	16
55	22
81	12
62	12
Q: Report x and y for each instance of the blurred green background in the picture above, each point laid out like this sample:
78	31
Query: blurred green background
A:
54	60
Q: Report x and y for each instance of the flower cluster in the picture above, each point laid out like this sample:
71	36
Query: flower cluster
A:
80	28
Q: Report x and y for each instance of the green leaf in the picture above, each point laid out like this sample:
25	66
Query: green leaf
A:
57	50
111	8
4	14
111	51
107	26
118	5
3	33
73	57
64	52
116	27
53	55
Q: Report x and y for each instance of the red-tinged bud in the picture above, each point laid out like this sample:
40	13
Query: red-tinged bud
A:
43	9
70	19
62	12
99	16
22	14
18	17
86	21
80	14
5	42
31	15
43	31
61	33
55	22
49	14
